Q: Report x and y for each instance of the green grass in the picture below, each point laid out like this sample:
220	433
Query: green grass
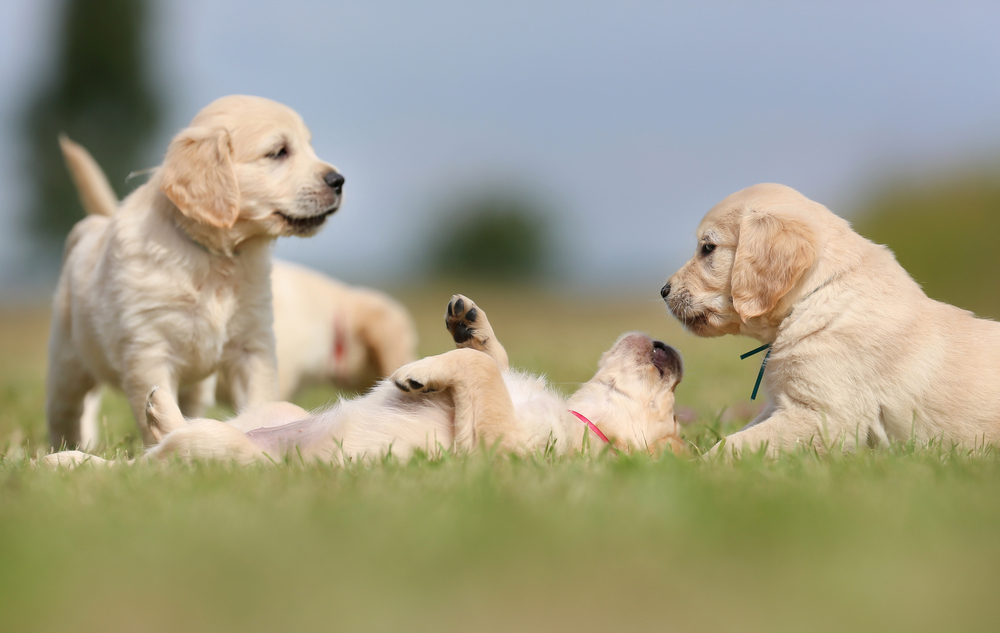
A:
898	539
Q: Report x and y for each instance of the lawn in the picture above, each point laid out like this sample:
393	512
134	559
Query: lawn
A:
898	539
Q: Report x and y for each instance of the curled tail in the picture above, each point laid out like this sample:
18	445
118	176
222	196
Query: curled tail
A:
96	194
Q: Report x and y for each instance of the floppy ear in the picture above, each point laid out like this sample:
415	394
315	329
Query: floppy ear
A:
772	254
197	175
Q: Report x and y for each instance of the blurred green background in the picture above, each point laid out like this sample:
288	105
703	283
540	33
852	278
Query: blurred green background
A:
944	230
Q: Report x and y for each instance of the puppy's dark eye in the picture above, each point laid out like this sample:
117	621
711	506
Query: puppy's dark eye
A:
279	153
706	249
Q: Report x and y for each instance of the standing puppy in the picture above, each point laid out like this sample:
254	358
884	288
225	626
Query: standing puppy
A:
325	330
859	354
175	285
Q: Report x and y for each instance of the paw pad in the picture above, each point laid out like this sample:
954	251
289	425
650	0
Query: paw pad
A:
462	314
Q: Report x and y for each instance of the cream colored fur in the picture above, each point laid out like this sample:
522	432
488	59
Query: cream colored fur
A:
174	284
860	355
458	400
329	331
326	330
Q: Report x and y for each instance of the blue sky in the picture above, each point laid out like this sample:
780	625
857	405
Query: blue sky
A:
631	119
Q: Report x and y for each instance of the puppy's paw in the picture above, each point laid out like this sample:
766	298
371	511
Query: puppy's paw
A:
418	377
162	413
464	319
70	459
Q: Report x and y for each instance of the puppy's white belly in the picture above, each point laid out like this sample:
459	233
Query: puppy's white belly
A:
539	411
402	424
386	420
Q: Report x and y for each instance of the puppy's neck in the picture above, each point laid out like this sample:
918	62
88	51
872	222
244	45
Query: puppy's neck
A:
214	241
188	228
766	328
813	290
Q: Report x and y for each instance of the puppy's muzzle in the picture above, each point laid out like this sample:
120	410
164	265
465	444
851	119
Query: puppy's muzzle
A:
682	307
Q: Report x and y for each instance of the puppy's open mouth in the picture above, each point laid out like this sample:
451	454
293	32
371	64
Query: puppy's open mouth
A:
667	360
310	222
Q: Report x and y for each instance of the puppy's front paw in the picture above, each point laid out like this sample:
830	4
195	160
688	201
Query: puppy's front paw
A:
471	329
461	320
417	377
69	459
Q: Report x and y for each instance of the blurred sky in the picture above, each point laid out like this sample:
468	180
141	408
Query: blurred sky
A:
630	118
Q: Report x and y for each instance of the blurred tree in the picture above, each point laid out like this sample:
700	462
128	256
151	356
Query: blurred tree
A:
944	232
492	235
98	93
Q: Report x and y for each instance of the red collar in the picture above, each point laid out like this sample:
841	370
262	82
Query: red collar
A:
339	342
593	427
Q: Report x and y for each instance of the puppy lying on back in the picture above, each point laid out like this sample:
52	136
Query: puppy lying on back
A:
175	285
326	331
458	400
859	354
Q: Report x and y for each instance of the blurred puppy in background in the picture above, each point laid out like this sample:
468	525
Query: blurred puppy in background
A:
175	284
859	354
328	331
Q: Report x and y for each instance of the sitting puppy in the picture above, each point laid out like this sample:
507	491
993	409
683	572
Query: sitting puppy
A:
175	285
459	399
859	354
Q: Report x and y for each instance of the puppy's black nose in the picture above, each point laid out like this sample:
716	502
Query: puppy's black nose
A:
335	180
665	290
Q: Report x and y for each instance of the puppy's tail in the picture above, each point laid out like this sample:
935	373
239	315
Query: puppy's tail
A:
96	194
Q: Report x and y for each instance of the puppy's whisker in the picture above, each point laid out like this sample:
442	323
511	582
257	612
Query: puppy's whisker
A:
139	172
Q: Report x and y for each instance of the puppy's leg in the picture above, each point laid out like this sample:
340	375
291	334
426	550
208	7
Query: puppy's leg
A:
790	428
72	459
484	412
163	416
200	439
471	329
67	385
138	379
90	420
207	440
250	368
194	399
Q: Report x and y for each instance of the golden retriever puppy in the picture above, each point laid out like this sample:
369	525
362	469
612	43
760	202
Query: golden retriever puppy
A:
859	354
326	330
175	284
456	400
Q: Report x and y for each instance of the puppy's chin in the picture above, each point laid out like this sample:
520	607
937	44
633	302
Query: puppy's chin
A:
288	224
707	324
